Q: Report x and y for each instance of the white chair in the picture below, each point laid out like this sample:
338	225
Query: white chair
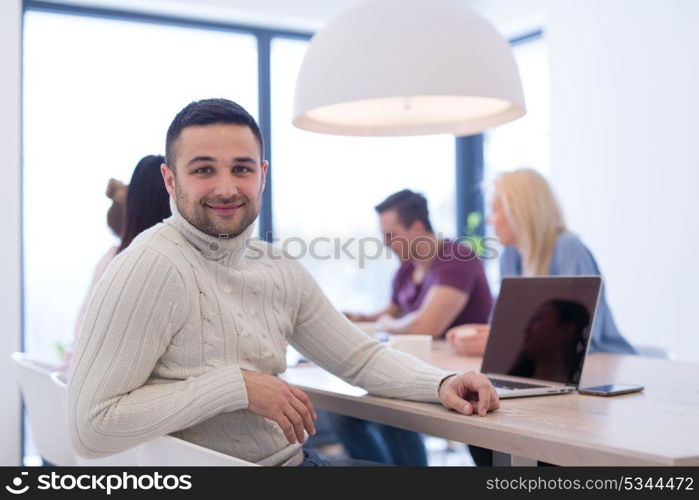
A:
161	451
171	451
124	459
48	426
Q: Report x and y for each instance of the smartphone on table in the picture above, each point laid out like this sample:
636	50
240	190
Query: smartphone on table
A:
610	390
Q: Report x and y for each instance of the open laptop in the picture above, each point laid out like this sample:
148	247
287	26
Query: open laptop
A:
539	334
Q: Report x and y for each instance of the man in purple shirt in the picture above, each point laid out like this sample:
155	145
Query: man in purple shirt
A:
439	285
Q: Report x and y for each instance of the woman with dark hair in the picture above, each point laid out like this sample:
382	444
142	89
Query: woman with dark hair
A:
146	204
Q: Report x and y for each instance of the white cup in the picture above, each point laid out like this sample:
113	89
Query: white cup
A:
419	346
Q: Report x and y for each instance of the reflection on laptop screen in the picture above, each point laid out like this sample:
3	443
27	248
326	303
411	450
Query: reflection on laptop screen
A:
541	327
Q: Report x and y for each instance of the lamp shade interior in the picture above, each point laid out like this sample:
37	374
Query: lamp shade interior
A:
407	67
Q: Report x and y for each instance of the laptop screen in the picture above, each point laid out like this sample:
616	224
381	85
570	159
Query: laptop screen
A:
541	327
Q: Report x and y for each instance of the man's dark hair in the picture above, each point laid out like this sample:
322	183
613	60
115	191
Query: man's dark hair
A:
209	112
409	206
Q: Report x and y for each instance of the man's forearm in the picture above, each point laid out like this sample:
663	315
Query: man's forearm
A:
371	317
411	323
392	310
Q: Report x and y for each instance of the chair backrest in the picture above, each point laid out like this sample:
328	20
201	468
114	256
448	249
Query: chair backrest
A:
48	426
124	459
171	451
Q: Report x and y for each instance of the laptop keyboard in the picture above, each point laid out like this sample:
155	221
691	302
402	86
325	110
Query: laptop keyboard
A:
509	384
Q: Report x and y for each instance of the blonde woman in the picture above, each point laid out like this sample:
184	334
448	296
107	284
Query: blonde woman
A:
528	221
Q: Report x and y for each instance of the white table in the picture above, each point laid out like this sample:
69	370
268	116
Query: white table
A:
659	426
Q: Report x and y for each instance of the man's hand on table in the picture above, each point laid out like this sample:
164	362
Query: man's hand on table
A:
468	340
469	393
288	406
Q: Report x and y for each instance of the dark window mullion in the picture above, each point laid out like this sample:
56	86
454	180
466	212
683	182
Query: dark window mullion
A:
265	119
469	177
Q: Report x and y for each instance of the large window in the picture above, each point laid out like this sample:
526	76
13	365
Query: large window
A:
524	142
326	187
99	95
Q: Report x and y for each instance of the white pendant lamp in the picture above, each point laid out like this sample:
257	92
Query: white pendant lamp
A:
407	67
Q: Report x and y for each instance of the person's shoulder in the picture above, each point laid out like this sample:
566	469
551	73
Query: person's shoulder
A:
161	238
568	238
144	265
457	250
106	259
510	261
146	237
572	256
568	243
161	241
510	252
456	257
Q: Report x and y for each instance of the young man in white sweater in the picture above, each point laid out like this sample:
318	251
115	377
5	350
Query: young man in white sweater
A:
187	330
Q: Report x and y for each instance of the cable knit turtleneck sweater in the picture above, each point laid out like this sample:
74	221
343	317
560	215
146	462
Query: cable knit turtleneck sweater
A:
176	317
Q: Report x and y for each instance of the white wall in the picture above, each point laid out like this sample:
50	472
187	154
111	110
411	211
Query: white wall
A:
625	124
10	145
624	121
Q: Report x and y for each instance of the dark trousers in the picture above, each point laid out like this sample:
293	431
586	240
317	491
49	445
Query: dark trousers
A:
312	459
378	442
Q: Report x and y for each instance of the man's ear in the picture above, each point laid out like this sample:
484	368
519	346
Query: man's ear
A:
264	167
169	179
417	226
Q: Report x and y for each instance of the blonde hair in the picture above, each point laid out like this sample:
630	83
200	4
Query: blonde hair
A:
533	212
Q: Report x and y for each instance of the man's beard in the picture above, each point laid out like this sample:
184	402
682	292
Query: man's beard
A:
202	218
